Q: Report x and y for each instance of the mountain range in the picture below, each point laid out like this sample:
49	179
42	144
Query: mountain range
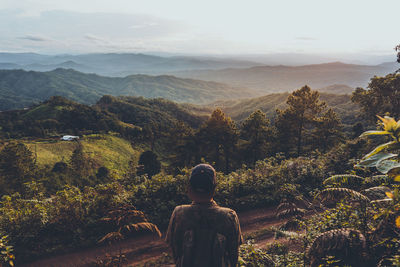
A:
272	79
115	64
19	88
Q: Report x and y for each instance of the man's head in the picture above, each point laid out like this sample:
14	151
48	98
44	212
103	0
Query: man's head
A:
202	183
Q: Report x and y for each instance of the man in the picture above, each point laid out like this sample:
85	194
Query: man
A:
202	233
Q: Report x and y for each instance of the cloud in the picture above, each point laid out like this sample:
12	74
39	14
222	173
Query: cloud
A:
35	38
305	38
144	25
95	38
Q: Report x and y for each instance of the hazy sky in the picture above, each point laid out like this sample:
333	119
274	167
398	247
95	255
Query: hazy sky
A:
206	26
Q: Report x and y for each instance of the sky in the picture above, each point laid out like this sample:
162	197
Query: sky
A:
217	27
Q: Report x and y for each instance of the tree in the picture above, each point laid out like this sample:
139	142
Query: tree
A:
328	130
303	108
17	166
257	133
381	97
218	137
181	145
151	165
79	162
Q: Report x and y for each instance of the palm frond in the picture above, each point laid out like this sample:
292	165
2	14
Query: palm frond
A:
377	180
381	203
377	192
285	234
338	193
344	179
347	245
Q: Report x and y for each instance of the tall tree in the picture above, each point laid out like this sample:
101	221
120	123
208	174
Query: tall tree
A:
218	138
257	133
181	145
79	162
303	107
17	166
327	132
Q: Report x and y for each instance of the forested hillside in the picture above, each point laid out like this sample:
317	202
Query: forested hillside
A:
19	89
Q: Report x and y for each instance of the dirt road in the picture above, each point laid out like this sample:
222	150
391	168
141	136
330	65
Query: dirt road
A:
148	247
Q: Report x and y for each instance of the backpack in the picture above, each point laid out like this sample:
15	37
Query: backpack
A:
203	246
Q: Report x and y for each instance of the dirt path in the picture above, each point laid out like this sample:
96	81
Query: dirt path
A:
149	247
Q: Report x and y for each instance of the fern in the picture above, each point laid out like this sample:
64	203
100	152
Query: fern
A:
289	209
344	179
377	180
347	245
337	193
377	192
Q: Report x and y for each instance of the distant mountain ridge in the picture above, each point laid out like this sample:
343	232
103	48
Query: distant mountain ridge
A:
19	88
118	64
272	79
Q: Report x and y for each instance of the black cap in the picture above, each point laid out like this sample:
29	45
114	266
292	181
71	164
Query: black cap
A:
202	179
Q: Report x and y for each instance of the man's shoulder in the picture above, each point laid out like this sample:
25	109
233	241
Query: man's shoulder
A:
184	210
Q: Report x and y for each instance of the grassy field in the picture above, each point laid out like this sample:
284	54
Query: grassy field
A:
110	151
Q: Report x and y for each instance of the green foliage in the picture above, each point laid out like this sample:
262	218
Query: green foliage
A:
126	219
257	133
70	219
218	137
17	166
7	257
252	257
344	180
150	164
381	97
303	114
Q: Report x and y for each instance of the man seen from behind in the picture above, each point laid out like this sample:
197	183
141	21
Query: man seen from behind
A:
204	234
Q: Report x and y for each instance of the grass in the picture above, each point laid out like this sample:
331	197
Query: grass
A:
110	151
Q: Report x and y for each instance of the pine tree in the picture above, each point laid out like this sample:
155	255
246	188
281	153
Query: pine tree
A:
294	122
328	130
257	133
17	166
218	139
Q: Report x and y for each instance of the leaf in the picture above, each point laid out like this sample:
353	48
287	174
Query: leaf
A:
337	193
385	166
379	149
398	221
397	178
389	123
343	179
373	161
389	195
374	133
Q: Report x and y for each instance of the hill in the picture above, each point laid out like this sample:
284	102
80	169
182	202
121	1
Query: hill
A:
58	116
270	79
106	150
143	112
125	115
19	88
